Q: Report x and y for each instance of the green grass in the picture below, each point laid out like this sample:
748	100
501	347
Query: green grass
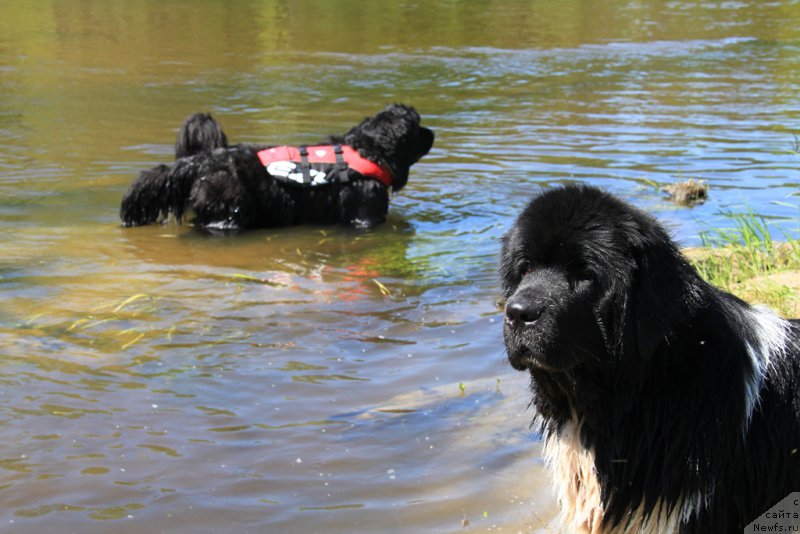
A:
733	257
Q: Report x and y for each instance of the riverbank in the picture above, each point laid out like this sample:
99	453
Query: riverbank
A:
747	262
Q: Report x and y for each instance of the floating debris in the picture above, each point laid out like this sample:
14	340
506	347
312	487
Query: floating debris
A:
687	193
384	290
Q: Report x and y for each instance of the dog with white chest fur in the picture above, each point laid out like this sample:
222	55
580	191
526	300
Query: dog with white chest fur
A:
666	404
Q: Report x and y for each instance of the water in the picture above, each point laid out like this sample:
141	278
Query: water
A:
324	379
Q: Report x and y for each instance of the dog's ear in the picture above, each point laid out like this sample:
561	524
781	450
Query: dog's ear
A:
657	288
641	301
612	308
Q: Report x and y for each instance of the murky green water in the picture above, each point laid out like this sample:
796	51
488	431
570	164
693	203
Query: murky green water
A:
307	379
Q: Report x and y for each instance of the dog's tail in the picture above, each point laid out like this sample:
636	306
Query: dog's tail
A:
199	133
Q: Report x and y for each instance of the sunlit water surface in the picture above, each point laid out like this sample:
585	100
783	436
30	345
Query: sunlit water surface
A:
324	379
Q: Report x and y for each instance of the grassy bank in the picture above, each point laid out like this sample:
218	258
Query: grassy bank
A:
747	262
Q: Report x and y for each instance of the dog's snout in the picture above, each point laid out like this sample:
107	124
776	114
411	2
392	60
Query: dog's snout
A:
520	312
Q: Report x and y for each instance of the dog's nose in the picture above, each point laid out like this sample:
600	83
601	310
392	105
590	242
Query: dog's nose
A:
519	313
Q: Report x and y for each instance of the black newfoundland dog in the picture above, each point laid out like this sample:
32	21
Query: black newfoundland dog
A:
343	180
666	404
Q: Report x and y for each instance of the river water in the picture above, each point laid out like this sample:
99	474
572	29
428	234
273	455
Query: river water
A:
324	379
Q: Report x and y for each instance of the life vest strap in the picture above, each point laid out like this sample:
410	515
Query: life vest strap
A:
305	166
341	165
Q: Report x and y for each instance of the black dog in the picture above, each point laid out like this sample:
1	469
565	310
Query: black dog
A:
345	180
667	405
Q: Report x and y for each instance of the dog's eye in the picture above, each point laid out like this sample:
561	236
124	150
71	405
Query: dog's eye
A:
581	280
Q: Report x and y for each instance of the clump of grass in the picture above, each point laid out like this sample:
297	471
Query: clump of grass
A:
732	258
745	251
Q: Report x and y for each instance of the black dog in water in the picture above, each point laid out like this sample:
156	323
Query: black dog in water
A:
345	180
667	405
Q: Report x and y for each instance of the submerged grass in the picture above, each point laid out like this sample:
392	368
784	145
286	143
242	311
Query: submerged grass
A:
744	260
106	326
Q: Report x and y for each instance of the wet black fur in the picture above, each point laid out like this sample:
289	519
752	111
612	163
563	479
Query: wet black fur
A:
618	329
227	187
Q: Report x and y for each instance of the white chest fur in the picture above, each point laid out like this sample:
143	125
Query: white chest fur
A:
578	492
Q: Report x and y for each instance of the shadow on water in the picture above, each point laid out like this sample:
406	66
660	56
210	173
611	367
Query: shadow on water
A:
322	379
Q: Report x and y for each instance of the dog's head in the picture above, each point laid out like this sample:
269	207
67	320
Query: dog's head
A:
587	278
393	137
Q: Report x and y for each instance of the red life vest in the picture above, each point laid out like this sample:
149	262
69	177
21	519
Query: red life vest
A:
319	165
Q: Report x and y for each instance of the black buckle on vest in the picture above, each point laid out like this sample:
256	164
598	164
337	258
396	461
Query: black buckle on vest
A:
305	166
341	165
